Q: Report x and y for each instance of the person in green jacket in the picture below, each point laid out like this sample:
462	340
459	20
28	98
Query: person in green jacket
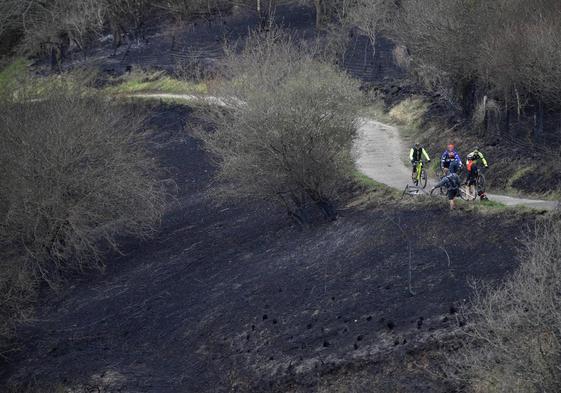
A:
416	155
472	165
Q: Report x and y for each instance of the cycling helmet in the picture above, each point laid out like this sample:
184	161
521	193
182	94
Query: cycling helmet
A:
417	145
471	156
451	147
453	167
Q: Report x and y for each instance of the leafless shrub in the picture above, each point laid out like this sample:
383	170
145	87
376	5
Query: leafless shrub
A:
514	344
512	47
17	293
75	177
368	16
185	9
61	24
288	126
10	12
193	67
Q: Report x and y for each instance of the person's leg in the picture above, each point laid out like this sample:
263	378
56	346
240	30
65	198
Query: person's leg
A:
471	189
453	203
446	168
451	197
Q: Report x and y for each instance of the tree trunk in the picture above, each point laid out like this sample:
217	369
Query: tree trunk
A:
507	121
485	116
538	122
54	61
319	15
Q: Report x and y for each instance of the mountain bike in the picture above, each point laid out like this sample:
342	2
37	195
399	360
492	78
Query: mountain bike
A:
420	176
463	193
479	186
441	172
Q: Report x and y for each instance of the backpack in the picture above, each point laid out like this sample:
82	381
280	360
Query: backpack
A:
453	181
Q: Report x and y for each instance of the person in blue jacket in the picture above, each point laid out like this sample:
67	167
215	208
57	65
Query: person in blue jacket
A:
450	155
452	183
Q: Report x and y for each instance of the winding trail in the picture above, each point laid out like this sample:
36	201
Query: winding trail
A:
379	150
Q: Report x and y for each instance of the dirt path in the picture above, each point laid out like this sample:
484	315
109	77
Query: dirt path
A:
379	152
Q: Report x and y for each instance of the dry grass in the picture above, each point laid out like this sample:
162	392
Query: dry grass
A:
410	111
138	82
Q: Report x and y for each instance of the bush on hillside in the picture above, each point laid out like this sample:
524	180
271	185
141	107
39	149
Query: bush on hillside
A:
511	48
75	177
514	344
288	126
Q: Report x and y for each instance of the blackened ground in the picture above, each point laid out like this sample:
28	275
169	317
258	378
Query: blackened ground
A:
165	45
232	298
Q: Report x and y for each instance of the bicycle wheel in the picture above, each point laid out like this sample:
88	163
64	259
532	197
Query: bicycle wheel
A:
437	192
481	182
465	194
424	179
415	175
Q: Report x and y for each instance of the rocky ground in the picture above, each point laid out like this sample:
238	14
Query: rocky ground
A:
234	298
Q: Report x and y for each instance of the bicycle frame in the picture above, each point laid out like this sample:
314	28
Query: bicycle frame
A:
419	169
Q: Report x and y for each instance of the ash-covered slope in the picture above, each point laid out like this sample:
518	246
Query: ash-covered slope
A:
233	298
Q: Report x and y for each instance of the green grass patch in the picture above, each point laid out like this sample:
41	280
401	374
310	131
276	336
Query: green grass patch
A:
18	83
364	181
12	74
157	82
373	193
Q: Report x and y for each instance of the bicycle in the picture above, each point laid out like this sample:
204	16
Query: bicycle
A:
420	176
441	172
479	185
463	193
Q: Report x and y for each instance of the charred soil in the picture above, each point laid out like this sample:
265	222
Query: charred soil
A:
233	298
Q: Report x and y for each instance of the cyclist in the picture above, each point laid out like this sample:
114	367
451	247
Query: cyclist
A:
452	183
416	155
450	155
472	162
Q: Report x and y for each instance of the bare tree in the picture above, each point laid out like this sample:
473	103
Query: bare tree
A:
11	12
57	25
509	48
368	16
287	131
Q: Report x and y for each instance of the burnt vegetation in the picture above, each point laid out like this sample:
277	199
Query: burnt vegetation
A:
286	128
82	180
76	179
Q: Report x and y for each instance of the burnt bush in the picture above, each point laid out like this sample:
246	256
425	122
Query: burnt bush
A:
75	178
286	126
514	343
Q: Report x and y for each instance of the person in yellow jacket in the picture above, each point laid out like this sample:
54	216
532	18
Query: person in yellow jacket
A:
472	167
416	155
